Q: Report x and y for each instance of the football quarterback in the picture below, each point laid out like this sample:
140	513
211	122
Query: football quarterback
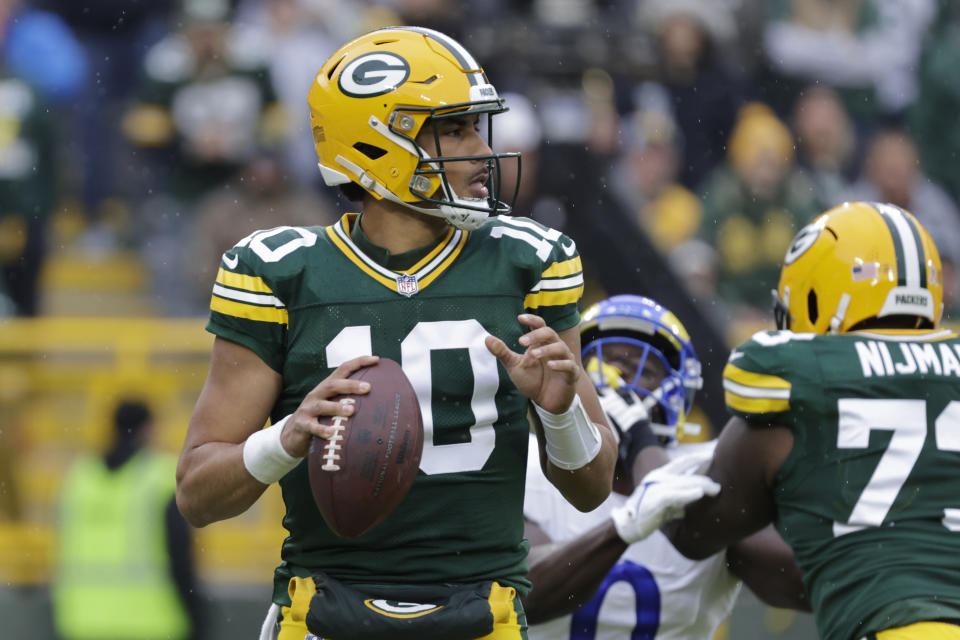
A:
480	310
846	430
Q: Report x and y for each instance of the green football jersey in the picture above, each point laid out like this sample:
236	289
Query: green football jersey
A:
869	497
308	299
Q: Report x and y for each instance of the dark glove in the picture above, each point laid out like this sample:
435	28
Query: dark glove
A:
629	417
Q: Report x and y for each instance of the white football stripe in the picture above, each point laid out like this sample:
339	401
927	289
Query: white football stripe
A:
244	296
755	392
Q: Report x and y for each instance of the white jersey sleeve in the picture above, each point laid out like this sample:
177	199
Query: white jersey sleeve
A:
652	590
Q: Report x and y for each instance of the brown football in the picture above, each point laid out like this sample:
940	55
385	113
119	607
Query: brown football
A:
360	475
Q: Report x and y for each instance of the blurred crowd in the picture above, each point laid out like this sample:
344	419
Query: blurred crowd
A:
173	128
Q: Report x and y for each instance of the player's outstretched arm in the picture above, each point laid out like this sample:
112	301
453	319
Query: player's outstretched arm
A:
765	563
216	477
573	434
569	573
744	463
565	575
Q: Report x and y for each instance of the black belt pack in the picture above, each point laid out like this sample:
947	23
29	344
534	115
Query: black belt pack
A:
377	612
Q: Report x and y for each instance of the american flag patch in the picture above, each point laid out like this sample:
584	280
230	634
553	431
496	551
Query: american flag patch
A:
868	271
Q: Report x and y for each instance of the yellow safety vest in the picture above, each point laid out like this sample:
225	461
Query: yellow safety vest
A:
113	576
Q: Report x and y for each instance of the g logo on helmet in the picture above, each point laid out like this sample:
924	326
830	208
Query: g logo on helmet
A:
804	240
373	74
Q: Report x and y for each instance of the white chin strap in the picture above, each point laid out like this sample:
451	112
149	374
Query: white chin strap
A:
460	217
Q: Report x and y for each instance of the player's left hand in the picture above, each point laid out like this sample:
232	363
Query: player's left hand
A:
546	372
662	495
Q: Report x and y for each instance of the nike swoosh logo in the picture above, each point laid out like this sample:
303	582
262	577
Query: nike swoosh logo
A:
231	262
569	249
734	355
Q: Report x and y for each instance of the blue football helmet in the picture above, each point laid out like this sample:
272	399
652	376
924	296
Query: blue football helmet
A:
642	323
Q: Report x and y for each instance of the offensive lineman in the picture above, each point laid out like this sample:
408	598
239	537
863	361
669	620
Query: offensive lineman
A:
846	430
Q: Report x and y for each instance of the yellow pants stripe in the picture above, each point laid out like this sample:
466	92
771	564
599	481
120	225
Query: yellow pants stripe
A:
920	631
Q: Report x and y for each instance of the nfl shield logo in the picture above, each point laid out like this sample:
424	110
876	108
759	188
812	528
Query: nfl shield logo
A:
407	284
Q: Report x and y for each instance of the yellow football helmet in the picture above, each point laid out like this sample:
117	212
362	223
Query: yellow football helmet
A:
856	262
369	102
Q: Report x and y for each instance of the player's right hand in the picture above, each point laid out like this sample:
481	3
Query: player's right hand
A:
629	417
309	419
662	495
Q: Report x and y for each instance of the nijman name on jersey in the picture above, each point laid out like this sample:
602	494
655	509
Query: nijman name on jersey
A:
878	358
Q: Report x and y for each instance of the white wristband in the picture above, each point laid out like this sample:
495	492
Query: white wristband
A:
572	438
264	455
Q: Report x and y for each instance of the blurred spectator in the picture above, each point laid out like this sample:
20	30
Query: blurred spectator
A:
113	37
28	184
446	16
39	47
299	36
826	141
124	568
933	119
695	262
891	173
520	130
705	94
868	46
260	198
207	106
207	97
646	177
753	206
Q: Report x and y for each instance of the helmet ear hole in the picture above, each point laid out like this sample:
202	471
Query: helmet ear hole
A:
369	150
812	311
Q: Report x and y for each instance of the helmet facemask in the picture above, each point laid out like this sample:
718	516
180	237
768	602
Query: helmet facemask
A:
667	404
624	334
461	211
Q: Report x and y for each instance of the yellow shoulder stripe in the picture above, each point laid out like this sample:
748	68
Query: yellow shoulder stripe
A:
751	392
755	405
551	298
240	281
248	311
752	379
565	268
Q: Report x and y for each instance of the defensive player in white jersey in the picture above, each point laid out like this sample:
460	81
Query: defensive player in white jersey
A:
610	574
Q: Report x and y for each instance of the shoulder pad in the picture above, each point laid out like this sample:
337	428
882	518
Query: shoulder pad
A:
548	244
757	377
